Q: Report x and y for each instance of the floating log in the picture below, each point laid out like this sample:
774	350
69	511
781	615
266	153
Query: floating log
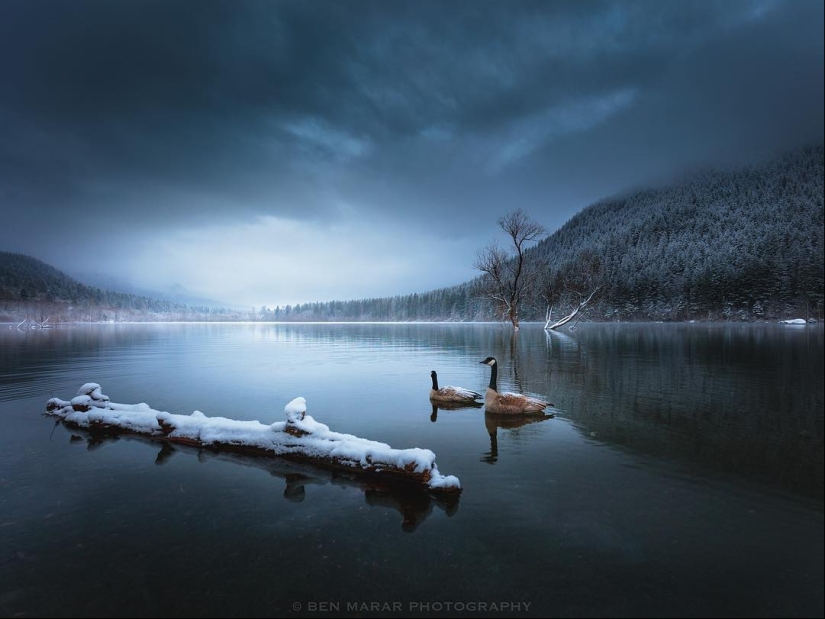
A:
299	438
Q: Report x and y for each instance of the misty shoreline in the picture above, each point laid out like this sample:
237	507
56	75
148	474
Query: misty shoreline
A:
505	325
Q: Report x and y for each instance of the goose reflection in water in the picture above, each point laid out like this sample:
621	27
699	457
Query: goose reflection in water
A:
414	505
446	406
494	422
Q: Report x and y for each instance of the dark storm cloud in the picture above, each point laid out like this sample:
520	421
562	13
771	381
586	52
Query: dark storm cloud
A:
143	96
148	116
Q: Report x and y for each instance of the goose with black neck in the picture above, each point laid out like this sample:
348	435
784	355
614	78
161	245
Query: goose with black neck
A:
450	394
509	403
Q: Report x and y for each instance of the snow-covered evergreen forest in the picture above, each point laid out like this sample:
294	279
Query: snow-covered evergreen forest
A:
741	244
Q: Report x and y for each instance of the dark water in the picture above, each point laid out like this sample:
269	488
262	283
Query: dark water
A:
683	475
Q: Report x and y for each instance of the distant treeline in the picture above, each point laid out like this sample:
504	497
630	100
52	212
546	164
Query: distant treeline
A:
458	303
724	245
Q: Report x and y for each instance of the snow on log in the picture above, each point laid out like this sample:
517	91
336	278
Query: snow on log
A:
794	321
300	437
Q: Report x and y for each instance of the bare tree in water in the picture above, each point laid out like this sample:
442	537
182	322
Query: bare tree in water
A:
508	277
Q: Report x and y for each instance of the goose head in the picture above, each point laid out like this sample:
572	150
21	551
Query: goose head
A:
491	361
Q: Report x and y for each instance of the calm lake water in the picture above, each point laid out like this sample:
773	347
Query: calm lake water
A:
681	476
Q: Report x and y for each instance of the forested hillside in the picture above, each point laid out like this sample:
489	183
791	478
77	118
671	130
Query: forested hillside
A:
746	243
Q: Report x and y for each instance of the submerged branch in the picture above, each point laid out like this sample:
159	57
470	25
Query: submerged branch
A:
572	314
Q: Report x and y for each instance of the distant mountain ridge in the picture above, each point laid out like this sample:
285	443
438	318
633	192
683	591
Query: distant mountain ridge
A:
176	293
30	288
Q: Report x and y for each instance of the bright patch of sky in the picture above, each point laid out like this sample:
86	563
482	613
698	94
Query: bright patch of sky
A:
274	261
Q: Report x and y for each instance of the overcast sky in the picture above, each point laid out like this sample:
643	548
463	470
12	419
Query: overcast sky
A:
280	152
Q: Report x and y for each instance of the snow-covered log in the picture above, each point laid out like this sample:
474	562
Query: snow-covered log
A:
299	438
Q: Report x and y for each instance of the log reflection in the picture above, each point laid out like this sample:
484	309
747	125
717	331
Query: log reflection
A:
413	504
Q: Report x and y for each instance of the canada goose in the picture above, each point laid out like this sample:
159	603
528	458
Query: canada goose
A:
509	403
451	394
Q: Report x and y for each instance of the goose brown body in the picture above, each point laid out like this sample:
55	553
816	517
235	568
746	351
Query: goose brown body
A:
509	403
450	394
